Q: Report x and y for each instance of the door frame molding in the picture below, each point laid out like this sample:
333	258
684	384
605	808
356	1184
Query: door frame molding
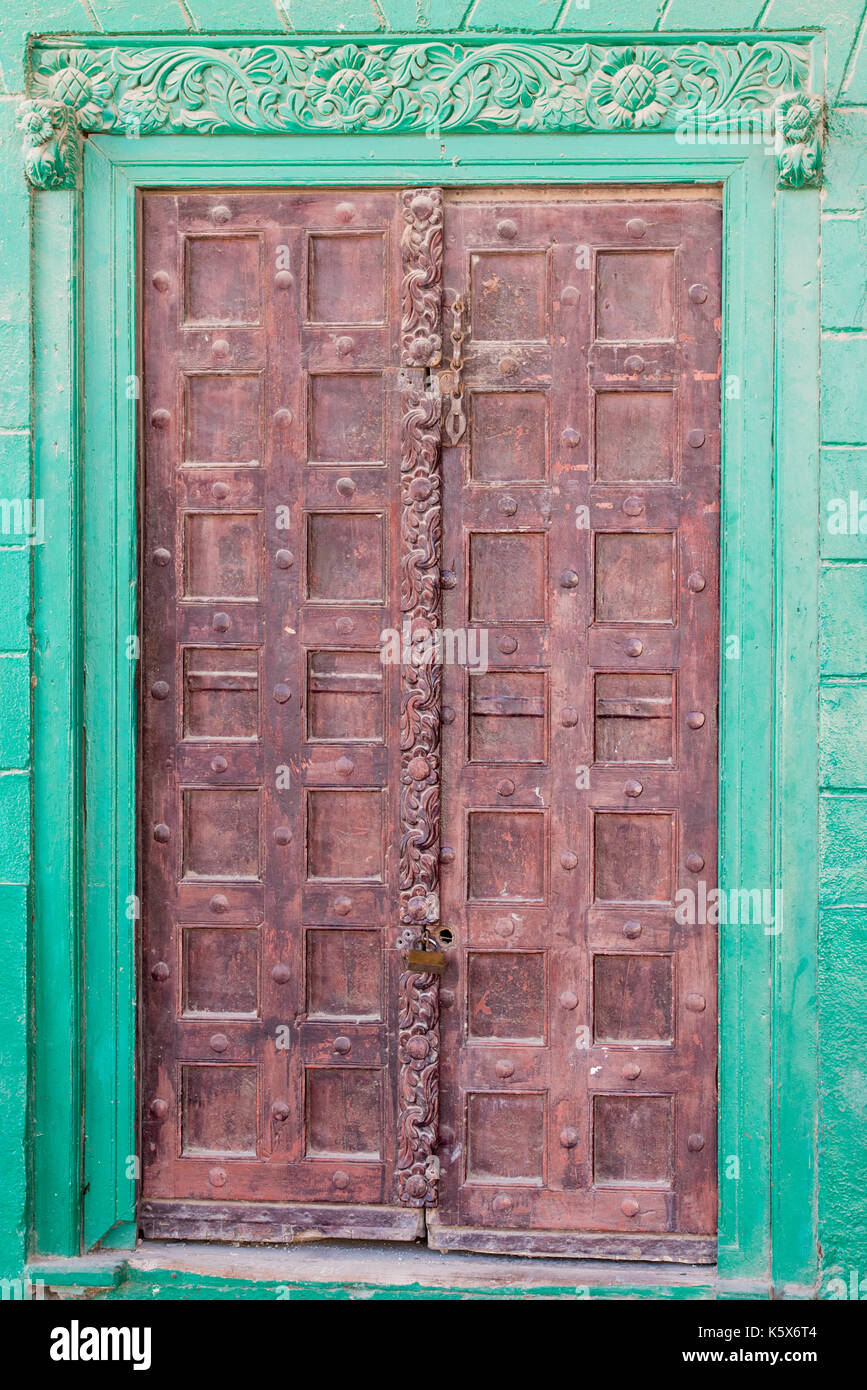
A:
83	1190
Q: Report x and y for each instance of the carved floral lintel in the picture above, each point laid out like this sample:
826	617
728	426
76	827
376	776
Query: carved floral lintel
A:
433	87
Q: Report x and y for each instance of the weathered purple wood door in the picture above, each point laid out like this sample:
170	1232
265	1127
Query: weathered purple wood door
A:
328	594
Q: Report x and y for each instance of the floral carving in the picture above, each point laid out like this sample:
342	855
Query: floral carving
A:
427	86
799	121
418	1085
634	87
422	254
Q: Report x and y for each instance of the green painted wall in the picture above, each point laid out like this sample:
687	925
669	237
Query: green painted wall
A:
842	793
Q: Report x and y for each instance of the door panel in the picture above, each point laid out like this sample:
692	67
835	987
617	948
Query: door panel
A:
303	1069
579	771
270	748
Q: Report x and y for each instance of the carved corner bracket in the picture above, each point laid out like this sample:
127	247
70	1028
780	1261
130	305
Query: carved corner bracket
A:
724	91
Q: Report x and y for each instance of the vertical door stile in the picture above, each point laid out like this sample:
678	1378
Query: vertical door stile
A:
420	558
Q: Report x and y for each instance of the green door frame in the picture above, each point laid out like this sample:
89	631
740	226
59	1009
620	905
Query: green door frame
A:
83	1178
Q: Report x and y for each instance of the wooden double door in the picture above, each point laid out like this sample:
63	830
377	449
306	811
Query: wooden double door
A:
429	717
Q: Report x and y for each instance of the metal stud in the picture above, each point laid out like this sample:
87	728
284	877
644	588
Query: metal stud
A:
219	1042
632	930
220	491
159	1109
505	1069
284	279
695	719
633	788
281	974
283	417
508	366
568	1000
569	579
696	1003
160	418
340	1180
282	835
282	693
345	486
630	1207
568	717
344	626
345	346
221	622
345	211
219	903
504	926
219	764
220	347
698	293
221	214
631	1071
161	834
160	972
695	1143
284	559
634	363
637	227
161	281
633	506
344	767
695	862
507	505
696	581
570	295
507	229
633	646
342	905
695	439
502	1203
447	714
569	1138
568	859
159	690
447	855
161	556
218	1177
506	787
448	579
342	1045
508	645
280	1111
571	438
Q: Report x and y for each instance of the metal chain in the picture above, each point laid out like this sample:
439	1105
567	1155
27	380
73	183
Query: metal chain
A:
456	422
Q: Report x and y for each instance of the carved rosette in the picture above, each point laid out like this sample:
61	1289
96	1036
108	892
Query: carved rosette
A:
421	673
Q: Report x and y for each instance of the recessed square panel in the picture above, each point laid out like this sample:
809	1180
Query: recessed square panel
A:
507	717
508	436
509	295
346	279
635	436
345	557
344	974
506	995
222	555
345	696
506	856
223	279
344	834
221	971
634	721
343	1112
635	295
221	693
634	577
346	418
222	418
633	857
507	577
221	832
505	1137
633	1139
219	1110
632	998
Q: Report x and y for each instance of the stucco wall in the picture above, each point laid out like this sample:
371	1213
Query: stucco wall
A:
842	795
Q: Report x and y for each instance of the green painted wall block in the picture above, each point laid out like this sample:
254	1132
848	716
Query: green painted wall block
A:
141	16
843	840
844	401
839	18
846	159
353	16
15	704
843	520
843	1088
844	271
15	827
251	16
14	465
14	600
13	1078
843	736
415	16
843	620
630	16
514	14
694	15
